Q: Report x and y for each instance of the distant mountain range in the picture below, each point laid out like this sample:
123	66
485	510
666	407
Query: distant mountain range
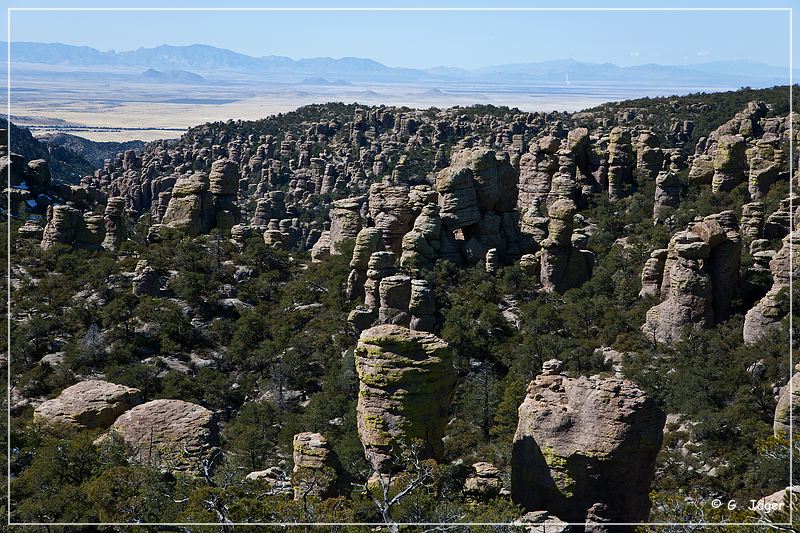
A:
172	63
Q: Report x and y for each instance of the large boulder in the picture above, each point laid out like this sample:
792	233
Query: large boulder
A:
89	404
407	381
585	448
172	434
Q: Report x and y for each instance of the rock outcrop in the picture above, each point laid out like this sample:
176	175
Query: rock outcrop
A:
406	384
585	449
89	404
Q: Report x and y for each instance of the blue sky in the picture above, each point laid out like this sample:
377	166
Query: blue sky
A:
426	39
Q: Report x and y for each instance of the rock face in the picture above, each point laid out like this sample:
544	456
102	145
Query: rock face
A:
477	205
788	407
772	308
89	404
620	162
585	448
315	467
146	281
172	434
407	381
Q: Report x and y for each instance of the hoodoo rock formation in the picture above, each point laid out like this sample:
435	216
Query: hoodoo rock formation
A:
315	471
585	449
406	384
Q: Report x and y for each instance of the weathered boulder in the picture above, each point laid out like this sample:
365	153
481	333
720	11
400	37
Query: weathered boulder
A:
406	384
458	202
89	404
563	266
191	206
146	281
585	449
620	162
62	225
390	209
171	434
667	194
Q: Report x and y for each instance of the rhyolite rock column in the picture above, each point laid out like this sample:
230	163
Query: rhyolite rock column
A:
406	385
315	471
585	449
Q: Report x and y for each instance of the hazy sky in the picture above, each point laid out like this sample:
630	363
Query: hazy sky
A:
425	39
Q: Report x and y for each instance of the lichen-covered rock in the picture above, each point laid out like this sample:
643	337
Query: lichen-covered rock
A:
315	471
89	404
171	434
585	448
395	295
406	384
729	163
